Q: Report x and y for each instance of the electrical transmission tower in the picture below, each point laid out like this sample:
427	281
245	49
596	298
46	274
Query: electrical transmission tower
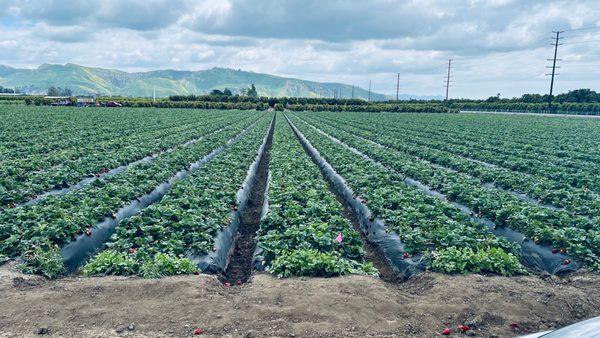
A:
555	44
448	79
397	86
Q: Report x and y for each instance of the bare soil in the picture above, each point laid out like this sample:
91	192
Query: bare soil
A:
240	265
354	306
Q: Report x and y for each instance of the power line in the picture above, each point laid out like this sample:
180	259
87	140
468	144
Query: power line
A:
582	29
583	41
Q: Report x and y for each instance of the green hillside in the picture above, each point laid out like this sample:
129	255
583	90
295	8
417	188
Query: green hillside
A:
87	80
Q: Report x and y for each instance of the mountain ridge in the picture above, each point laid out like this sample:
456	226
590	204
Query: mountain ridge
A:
103	81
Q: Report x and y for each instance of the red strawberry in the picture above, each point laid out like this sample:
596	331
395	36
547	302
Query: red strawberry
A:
239	282
198	331
132	250
514	326
566	262
405	255
446	332
463	328
555	250
227	284
12	205
196	272
97	175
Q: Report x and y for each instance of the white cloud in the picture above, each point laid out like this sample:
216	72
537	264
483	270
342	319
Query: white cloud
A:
497	46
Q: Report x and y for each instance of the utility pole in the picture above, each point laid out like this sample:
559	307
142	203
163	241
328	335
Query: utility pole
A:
154	95
369	91
397	86
448	79
556	44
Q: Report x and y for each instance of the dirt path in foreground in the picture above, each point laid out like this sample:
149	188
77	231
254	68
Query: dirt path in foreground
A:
355	306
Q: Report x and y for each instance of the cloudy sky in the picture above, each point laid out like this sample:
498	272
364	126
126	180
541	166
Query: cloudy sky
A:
497	46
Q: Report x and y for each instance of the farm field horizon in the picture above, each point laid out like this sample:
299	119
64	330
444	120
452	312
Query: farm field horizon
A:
389	199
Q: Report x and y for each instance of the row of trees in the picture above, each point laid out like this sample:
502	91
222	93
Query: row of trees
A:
577	95
249	92
579	108
57	91
5	90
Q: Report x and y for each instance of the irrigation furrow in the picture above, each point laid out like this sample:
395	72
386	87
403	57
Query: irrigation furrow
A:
537	257
75	253
238	267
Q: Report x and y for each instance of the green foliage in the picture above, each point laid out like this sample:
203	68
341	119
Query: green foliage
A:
57	91
110	262
251	92
455	161
298	235
44	261
167	265
57	219
465	260
186	220
310	262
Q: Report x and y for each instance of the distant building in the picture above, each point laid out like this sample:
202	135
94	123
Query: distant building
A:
59	100
85	101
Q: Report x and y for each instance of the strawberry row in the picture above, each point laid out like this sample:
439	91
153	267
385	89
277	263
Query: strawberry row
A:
159	240
448	240
577	201
35	163
24	179
529	135
58	219
512	136
579	236
30	131
564	173
305	232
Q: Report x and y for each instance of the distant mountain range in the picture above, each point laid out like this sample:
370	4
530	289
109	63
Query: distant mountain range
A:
87	80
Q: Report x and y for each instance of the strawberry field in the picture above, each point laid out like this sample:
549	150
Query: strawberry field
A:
157	192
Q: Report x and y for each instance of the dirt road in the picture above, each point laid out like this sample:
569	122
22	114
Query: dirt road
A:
355	306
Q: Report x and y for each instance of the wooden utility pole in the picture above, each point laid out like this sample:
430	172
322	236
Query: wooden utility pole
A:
397	86
556	44
448	78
